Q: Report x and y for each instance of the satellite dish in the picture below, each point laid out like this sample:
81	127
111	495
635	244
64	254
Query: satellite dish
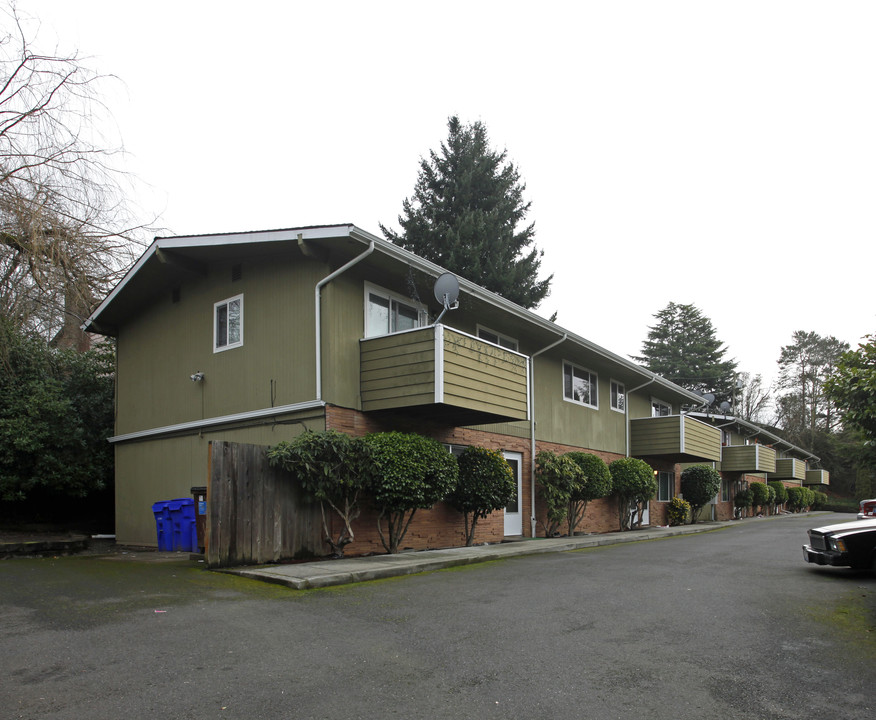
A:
725	406
447	291
708	399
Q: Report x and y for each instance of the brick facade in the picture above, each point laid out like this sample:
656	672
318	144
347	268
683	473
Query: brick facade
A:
442	526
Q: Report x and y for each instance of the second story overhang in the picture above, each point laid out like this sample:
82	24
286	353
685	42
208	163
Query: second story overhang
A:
443	374
676	438
754	458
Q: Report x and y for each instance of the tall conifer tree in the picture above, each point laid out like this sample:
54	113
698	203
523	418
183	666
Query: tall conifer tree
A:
464	215
682	347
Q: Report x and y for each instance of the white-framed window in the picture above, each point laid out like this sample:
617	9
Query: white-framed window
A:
618	396
725	491
228	324
665	486
725	437
660	408
580	385
497	338
386	312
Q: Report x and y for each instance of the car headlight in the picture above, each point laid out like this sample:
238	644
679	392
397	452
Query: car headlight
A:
837	545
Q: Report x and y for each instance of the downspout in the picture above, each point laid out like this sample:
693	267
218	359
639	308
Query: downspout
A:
327	279
627	411
532	430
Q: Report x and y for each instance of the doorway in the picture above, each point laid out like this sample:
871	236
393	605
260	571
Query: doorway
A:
514	511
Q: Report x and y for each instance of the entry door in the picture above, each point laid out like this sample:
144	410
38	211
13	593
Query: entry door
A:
514	510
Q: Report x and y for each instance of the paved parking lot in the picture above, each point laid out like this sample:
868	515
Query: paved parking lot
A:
726	624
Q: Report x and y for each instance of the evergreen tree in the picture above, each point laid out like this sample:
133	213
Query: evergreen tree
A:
464	215
682	347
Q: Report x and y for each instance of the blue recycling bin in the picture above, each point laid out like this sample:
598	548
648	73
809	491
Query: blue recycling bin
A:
163	525
182	518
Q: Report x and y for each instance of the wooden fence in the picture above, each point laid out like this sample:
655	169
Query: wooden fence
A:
256	513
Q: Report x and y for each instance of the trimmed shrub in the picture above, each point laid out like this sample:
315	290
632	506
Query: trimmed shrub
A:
699	484
633	484
781	492
820	501
596	485
332	468
742	502
486	483
408	472
796	499
771	499
759	495
677	511
558	478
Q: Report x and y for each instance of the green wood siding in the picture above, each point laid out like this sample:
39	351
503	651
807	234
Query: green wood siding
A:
748	458
439	365
481	376
817	477
162	346
148	471
398	370
789	469
674	435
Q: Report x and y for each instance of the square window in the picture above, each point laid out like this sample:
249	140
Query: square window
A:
228	324
579	385
386	313
618	396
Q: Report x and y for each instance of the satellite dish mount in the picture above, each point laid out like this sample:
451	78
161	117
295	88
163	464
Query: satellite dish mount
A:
447	293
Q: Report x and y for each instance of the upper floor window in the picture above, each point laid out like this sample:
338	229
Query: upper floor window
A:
387	313
497	339
579	385
725	437
660	408
228	323
618	396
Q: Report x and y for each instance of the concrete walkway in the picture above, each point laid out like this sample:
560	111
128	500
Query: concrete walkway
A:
320	574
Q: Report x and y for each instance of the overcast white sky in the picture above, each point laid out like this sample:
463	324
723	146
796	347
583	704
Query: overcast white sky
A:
715	153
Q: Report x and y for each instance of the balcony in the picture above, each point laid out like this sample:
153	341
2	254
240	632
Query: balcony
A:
677	438
748	458
817	477
789	469
444	375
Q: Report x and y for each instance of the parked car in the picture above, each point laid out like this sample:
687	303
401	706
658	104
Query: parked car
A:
867	509
850	544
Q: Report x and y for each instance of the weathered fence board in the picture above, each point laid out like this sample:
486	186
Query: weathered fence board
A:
256	513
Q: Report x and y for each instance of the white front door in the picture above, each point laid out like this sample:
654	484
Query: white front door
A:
514	510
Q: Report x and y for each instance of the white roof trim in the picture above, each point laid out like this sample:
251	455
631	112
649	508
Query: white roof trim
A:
394	251
221	420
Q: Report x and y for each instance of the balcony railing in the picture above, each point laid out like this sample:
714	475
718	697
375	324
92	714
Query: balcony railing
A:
748	458
677	437
446	373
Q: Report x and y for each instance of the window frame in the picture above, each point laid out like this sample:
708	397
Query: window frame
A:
670	487
499	338
657	401
392	297
228	345
612	395
594	384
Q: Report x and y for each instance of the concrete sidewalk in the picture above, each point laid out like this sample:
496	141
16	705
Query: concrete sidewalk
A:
320	574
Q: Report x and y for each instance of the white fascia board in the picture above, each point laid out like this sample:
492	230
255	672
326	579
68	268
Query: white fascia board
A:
388	248
221	420
756	428
194	241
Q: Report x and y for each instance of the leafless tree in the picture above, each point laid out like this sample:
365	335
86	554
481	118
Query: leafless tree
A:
66	229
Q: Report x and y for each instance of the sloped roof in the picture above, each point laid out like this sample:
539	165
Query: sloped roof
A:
168	259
